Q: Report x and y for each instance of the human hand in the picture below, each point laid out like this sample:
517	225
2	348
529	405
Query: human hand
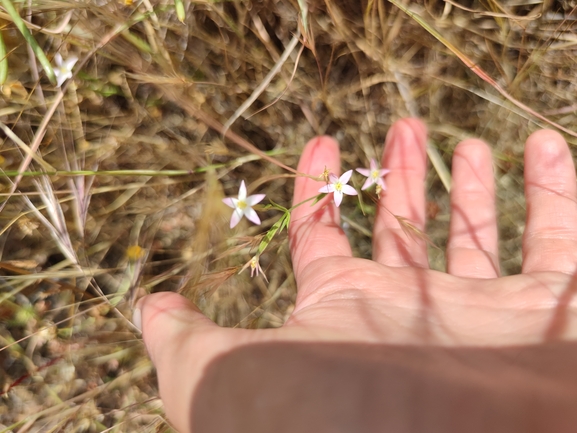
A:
395	299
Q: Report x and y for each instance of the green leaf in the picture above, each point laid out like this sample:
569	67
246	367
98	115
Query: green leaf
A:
319	198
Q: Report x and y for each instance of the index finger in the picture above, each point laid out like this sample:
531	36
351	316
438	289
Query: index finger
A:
315	230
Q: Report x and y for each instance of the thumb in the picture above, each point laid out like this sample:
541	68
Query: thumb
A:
174	329
165	320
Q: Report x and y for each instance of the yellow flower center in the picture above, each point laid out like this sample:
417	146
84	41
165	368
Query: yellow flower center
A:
134	252
241	205
375	174
338	186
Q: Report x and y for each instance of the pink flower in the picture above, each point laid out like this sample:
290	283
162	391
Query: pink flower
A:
338	186
243	206
374	175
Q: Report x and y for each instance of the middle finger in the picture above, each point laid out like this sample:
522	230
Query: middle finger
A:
400	221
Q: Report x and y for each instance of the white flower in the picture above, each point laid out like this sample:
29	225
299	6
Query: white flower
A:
374	175
243	206
63	69
338	186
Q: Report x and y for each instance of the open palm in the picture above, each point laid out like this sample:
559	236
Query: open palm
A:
396	299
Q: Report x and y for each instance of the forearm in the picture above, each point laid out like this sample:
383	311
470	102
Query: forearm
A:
298	387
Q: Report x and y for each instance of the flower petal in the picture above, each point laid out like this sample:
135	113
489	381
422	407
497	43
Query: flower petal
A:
373	164
346	176
250	213
61	77
383	172
327	189
367	183
58	59
251	200
235	218
333	178
349	190
230	202
70	62
242	191
364	171
338	198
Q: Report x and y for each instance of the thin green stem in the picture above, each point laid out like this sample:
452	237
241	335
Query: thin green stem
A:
303	202
63	173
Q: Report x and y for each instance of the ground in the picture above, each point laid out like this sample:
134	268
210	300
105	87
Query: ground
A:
112	183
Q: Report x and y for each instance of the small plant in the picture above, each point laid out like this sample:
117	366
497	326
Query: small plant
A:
338	186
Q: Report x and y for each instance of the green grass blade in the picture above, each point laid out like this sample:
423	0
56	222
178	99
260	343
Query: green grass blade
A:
30	40
3	61
136	41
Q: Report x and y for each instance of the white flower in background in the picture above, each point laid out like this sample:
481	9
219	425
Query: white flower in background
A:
243	206
338	186
63	69
374	175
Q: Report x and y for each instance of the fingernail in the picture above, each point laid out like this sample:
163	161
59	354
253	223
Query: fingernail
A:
137	319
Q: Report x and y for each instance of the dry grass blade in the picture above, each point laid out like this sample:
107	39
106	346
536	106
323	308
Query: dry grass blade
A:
174	95
27	150
264	84
477	70
432	152
56	223
494	14
413	232
57	30
30	154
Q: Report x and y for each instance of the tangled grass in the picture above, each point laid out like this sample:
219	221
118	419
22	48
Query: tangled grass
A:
111	185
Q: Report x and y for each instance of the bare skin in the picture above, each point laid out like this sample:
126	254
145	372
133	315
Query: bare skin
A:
395	299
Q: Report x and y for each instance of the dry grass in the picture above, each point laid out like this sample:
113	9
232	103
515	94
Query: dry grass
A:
141	126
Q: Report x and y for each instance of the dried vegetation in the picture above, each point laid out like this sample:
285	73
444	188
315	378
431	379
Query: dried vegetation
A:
124	167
